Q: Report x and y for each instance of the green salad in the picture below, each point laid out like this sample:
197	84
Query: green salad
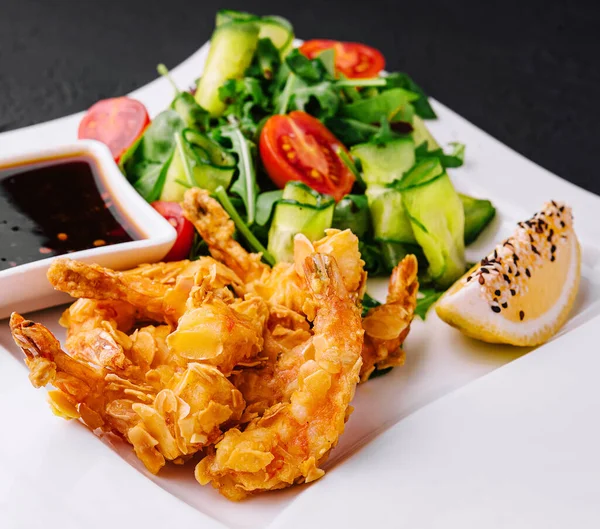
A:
299	140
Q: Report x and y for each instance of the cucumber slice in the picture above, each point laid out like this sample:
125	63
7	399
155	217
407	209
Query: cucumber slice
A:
478	214
390	220
421	134
229	15
173	190
301	210
279	30
273	27
437	219
232	47
198	161
384	163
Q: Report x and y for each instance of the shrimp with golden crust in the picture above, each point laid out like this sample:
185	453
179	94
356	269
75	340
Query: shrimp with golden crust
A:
216	228
387	325
189	411
289	441
284	283
219	330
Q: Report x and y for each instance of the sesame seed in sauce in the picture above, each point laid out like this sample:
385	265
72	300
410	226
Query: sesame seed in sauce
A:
497	292
496	309
513	292
527	272
506	278
521	315
553	248
504	305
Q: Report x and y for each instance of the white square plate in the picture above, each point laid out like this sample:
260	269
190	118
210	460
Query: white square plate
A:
515	448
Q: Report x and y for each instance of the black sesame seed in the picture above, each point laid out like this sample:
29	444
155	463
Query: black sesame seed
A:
506	278
562	224
534	250
561	209
495	308
554	204
485	271
515	257
469	278
495	254
552	258
521	315
505	305
513	292
527	272
509	270
497	292
553	248
518	273
550	235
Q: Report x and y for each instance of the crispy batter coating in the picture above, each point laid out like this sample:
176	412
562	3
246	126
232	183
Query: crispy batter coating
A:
288	442
254	366
387	325
217	229
168	417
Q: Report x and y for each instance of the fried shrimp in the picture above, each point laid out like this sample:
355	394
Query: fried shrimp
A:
82	280
217	229
219	330
387	325
284	283
287	444
170	422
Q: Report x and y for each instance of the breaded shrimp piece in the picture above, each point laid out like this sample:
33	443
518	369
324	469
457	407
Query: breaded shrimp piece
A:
288	442
217	229
219	330
170	422
82	280
387	325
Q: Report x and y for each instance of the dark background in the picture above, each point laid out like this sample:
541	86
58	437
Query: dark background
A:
527	72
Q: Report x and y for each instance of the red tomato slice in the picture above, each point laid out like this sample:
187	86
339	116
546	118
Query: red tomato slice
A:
116	122
354	60
299	147
185	229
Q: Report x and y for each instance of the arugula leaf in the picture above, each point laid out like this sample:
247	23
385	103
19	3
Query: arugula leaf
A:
320	100
265	203
309	70
428	297
145	163
352	212
455	158
351	131
245	184
282	99
393	105
371	255
266	61
422	106
241	226
368	303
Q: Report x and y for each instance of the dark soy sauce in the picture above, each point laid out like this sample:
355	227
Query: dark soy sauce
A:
54	208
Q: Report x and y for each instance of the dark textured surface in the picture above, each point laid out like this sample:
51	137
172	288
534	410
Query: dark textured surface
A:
526	72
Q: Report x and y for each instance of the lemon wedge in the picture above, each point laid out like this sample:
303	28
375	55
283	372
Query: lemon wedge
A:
522	292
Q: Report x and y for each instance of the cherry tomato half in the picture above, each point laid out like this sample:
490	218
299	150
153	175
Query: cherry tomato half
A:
299	147
116	122
354	60
185	229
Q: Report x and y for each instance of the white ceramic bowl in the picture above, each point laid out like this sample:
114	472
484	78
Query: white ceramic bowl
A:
25	287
